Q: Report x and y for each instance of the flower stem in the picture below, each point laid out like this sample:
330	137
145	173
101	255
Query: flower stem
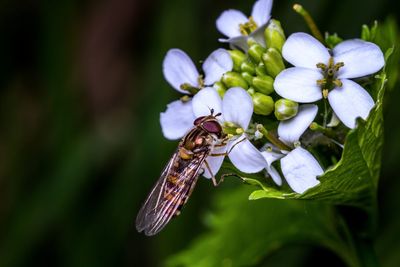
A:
310	22
272	138
325	122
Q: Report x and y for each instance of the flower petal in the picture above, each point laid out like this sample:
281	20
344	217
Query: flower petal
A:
214	162
270	157
228	22
303	50
299	84
301	169
290	131
245	156
217	63
237	107
178	69
258	35
205	100
261	12
360	58
349	102
177	120
276	177
239	42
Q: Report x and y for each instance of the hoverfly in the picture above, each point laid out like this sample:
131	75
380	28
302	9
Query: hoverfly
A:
180	175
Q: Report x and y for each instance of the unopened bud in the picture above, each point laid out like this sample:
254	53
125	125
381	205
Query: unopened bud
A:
237	57
263	104
234	79
263	84
285	109
260	70
255	52
248	66
365	33
274	35
273	62
248	77
220	88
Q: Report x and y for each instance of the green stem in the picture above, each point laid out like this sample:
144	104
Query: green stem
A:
272	138
366	253
325	122
310	22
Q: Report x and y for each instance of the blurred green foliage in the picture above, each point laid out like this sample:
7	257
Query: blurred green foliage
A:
81	89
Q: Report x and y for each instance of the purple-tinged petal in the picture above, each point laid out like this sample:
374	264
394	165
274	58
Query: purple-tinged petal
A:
205	100
178	69
237	107
360	58
217	63
177	120
290	131
303	50
299	84
228	22
349	102
301	169
261	12
245	156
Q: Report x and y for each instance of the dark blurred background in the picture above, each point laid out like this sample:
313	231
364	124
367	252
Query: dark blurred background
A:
81	90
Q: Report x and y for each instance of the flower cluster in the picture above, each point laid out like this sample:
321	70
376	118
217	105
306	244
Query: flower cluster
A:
269	90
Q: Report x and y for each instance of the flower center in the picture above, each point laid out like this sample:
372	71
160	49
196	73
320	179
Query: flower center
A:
232	129
248	27
330	80
193	89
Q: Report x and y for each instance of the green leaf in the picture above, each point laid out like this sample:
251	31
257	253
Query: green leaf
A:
264	227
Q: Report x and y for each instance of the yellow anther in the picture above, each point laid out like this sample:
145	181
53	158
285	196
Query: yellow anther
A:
337	82
248	27
321	82
321	66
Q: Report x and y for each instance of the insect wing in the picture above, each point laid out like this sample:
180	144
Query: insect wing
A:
168	196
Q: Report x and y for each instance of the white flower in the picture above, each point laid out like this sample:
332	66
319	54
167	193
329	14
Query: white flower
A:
237	27
236	108
180	71
299	167
316	67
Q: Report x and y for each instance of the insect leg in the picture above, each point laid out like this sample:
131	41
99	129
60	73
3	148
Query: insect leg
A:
213	179
227	153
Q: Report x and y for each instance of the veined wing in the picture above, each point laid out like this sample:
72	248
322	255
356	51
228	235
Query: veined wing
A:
170	192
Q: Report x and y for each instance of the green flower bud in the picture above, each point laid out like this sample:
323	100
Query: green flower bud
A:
248	66
220	87
260	70
285	109
263	104
248	77
332	40
234	79
274	35
263	84
273	62
237	57
365	33
251	91
255	52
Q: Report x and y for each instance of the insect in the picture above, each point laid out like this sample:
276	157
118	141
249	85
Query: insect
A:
179	177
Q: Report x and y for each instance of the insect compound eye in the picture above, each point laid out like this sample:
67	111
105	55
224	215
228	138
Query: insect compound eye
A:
212	127
198	120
